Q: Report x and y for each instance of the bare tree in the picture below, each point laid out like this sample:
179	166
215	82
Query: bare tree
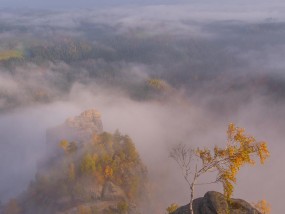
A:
240	149
185	158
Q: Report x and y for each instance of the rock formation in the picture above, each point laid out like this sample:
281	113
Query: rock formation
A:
95	172
79	128
216	203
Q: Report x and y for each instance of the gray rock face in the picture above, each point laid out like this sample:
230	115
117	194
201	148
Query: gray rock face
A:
216	203
78	129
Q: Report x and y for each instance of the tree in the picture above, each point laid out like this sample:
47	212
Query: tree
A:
64	145
68	147
88	164
172	208
263	206
130	149
108	172
240	149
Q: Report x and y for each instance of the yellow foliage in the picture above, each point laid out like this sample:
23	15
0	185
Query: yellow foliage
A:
158	84
5	55
88	164
172	208
68	147
108	172
263	206
241	149
64	145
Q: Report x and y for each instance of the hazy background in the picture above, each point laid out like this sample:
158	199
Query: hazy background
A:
223	63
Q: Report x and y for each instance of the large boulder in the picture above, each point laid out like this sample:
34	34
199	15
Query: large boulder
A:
216	203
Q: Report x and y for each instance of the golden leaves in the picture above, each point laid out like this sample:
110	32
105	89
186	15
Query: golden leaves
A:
172	208
205	155
108	172
263	152
241	149
263	206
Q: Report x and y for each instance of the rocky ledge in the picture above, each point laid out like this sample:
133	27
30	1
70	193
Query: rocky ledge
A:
216	203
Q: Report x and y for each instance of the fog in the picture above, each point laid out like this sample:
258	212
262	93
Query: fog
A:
223	65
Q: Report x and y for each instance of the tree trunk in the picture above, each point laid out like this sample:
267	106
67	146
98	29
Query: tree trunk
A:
191	197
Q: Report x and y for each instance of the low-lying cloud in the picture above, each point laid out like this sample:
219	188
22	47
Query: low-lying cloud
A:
222	67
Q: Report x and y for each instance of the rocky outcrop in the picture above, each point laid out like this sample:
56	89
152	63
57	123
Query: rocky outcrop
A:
216	203
78	129
72	178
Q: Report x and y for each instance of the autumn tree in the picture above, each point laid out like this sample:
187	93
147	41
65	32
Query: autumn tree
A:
108	172
88	164
241	149
129	149
68	147
263	206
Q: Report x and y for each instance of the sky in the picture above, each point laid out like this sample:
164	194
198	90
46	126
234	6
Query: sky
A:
91	4
74	4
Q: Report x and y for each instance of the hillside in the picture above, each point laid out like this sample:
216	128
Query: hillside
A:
101	174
